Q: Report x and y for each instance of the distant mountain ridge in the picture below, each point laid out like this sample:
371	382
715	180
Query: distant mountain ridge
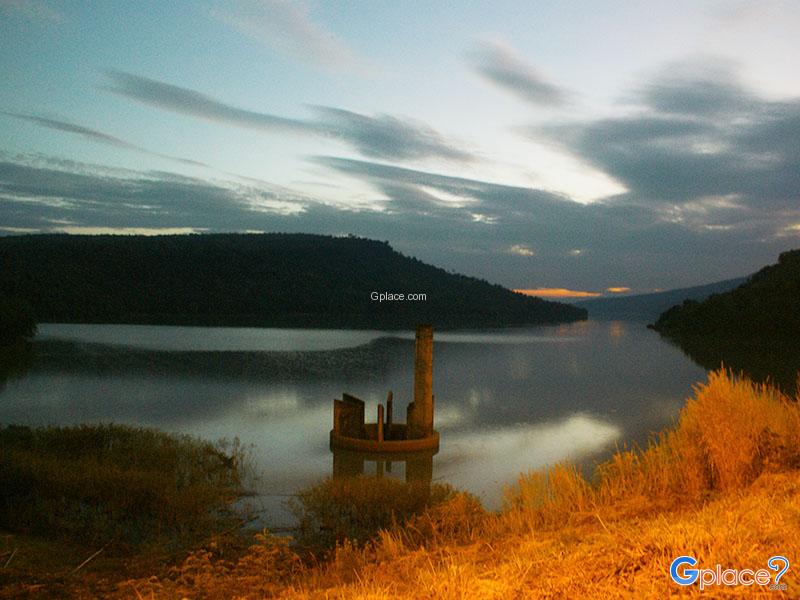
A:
281	280
766	306
647	307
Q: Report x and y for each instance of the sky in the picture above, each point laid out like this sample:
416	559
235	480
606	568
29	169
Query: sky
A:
575	148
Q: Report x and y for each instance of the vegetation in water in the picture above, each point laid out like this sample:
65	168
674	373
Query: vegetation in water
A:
354	510
115	486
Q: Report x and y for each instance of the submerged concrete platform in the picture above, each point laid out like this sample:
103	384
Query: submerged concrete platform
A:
395	444
385	436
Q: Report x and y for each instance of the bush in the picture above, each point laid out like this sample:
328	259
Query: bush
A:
726	436
112	483
357	508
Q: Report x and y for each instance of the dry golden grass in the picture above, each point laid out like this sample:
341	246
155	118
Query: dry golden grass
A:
723	486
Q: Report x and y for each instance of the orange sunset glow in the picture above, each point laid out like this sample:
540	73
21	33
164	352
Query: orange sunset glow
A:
558	293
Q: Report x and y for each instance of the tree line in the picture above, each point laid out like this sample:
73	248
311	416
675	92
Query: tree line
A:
766	306
279	279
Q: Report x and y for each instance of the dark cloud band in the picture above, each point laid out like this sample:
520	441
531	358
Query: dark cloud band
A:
501	67
381	136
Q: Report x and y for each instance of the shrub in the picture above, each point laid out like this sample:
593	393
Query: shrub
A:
358	508
726	436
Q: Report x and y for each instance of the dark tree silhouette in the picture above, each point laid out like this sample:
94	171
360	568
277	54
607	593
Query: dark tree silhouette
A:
754	328
766	305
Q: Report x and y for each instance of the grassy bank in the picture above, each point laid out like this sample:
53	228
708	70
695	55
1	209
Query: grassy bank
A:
723	485
113	486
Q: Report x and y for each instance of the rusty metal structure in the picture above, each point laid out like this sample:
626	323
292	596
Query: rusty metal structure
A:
385	436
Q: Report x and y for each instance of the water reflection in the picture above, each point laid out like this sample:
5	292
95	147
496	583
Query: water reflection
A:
411	467
209	339
506	401
616	330
15	362
773	360
484	461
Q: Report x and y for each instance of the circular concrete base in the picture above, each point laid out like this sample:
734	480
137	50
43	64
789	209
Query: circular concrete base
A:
386	446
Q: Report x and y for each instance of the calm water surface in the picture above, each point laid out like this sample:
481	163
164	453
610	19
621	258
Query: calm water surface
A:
506	401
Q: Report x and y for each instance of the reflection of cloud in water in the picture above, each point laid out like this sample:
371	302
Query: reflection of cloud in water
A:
275	403
486	460
289	451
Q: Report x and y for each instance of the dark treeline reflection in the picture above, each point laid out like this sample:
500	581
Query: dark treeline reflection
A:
775	360
15	361
345	364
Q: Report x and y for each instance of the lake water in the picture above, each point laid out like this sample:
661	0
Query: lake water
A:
506	401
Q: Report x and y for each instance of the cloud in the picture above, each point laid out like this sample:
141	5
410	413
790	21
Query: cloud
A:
97	136
702	89
32	9
288	28
424	214
190	102
50	198
618	290
521	250
385	136
700	136
498	202
500	65
382	136
624	239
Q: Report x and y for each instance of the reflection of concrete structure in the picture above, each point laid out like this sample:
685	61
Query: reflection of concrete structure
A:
385	436
418	465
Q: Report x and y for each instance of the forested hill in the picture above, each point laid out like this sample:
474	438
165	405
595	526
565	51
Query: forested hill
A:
251	279
766	306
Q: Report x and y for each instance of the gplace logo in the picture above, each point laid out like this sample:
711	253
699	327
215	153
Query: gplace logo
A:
719	576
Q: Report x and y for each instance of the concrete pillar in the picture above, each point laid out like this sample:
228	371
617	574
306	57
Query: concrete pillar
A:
421	417
380	422
337	417
348	416
389	407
